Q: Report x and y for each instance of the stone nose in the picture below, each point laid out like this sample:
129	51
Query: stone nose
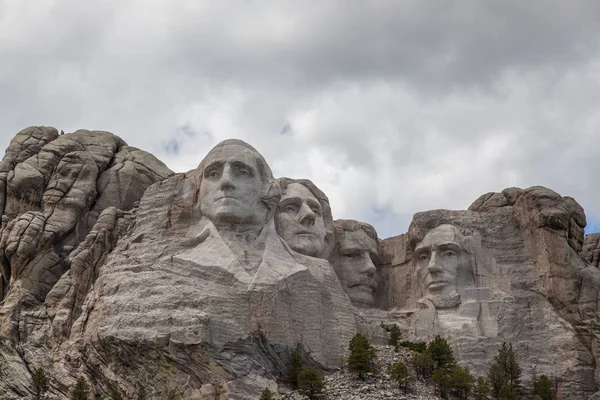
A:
434	266
369	267
306	216
227	178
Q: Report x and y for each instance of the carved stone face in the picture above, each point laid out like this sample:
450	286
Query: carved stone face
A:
231	186
355	266
437	259
300	221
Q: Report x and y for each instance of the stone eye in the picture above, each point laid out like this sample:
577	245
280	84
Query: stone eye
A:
213	174
423	256
289	209
449	253
243	172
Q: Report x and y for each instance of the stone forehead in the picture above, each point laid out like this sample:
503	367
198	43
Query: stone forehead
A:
358	239
443	233
298	190
234	148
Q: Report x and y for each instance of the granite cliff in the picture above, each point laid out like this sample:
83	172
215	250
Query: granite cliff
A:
198	284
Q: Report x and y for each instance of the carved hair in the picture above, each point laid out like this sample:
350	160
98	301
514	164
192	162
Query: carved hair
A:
325	208
350	225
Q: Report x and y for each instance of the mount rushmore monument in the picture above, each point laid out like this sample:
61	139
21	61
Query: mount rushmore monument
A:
116	269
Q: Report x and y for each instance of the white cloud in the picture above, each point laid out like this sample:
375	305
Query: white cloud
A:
390	107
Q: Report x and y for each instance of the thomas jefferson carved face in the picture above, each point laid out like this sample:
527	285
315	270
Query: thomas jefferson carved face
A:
231	186
437	259
354	264
300	220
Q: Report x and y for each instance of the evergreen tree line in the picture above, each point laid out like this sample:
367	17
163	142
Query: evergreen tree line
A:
435	361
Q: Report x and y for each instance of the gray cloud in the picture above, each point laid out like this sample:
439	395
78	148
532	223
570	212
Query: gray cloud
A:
390	107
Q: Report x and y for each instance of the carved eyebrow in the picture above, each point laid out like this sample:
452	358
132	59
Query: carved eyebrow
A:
290	200
313	203
422	248
213	165
242	164
449	246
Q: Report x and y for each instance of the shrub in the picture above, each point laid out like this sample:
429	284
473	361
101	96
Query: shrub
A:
81	390
40	383
419	347
400	373
267	395
310	383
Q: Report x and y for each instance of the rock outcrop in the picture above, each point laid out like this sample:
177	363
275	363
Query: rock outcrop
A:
506	270
199	284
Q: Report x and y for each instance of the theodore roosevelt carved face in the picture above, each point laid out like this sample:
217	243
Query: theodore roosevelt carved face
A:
355	260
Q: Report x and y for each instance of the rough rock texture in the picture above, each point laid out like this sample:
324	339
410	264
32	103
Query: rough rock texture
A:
64	202
591	249
518	277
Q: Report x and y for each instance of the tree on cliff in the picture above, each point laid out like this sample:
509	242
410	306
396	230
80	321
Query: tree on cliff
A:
81	390
395	335
266	395
40	383
505	372
399	372
543	387
362	356
310	383
481	390
441	353
295	366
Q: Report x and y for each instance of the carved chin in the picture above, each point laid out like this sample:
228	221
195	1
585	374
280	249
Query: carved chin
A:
308	245
361	295
451	300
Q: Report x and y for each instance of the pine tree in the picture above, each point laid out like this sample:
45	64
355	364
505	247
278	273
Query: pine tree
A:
295	366
310	383
362	356
400	373
461	381
543	387
40	383
423	364
440	351
81	390
395	335
481	390
505	372
442	379
267	395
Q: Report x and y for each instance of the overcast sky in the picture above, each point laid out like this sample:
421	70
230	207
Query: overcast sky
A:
391	107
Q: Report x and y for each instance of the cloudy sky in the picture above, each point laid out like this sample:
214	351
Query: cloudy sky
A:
391	107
